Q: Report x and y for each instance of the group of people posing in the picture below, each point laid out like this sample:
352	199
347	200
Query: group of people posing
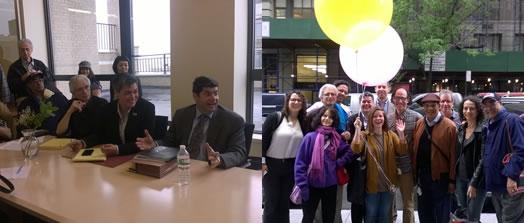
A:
437	154
126	124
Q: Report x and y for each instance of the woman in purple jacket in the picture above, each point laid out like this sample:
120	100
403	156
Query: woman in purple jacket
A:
319	156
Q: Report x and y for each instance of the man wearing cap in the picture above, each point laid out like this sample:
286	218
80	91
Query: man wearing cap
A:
81	112
434	141
501	180
37	94
21	69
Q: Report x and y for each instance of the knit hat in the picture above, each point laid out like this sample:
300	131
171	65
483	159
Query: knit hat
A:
84	64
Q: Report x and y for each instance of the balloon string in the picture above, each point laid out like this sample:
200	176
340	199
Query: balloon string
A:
357	75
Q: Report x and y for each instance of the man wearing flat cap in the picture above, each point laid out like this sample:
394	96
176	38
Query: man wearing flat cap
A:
434	141
505	134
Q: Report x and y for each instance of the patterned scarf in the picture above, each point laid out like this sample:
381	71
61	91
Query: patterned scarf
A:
317	159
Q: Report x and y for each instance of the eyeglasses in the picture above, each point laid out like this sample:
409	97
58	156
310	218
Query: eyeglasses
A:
296	100
400	98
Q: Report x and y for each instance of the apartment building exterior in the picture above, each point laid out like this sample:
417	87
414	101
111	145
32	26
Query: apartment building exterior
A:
297	54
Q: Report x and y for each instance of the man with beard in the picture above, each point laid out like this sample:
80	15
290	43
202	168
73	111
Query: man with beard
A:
213	133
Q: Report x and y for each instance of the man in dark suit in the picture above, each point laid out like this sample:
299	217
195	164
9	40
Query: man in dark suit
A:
122	122
211	132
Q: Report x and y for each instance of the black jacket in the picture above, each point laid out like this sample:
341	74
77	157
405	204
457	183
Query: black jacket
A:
472	157
351	127
17	70
82	124
141	117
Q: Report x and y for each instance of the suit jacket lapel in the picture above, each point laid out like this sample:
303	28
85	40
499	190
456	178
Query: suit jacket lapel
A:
187	122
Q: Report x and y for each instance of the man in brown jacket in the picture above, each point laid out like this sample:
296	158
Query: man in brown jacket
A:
434	157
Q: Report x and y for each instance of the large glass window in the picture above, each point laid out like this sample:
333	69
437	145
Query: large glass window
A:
303	9
84	30
311	69
280	9
518	42
489	41
8	34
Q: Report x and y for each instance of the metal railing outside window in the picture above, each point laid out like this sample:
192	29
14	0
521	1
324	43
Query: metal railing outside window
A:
152	64
106	37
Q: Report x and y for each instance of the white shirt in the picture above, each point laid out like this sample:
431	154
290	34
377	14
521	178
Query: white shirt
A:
122	126
432	123
286	140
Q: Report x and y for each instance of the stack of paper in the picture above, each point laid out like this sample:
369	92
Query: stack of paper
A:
157	162
56	143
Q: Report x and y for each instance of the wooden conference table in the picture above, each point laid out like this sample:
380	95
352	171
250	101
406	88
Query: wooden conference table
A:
57	189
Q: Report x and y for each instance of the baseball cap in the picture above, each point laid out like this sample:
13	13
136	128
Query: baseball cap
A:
34	76
492	96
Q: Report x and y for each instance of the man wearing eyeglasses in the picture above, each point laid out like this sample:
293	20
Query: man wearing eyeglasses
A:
505	134
446	107
80	112
26	66
400	99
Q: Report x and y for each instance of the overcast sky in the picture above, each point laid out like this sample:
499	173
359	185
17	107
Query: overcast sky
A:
151	26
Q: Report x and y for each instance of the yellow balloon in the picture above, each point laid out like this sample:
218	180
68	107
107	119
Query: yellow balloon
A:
353	23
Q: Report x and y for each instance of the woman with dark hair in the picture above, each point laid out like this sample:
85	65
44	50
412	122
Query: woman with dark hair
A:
282	133
468	167
122	65
380	148
84	68
319	156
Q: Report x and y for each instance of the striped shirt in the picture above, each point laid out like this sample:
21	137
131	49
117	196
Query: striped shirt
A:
410	118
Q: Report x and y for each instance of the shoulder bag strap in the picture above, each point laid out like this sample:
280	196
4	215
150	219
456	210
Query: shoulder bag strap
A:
8	183
388	182
432	142
509	136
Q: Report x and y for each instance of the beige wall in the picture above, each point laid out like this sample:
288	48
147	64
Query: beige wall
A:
209	38
33	27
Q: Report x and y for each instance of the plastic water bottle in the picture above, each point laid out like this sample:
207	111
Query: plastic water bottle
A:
183	161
